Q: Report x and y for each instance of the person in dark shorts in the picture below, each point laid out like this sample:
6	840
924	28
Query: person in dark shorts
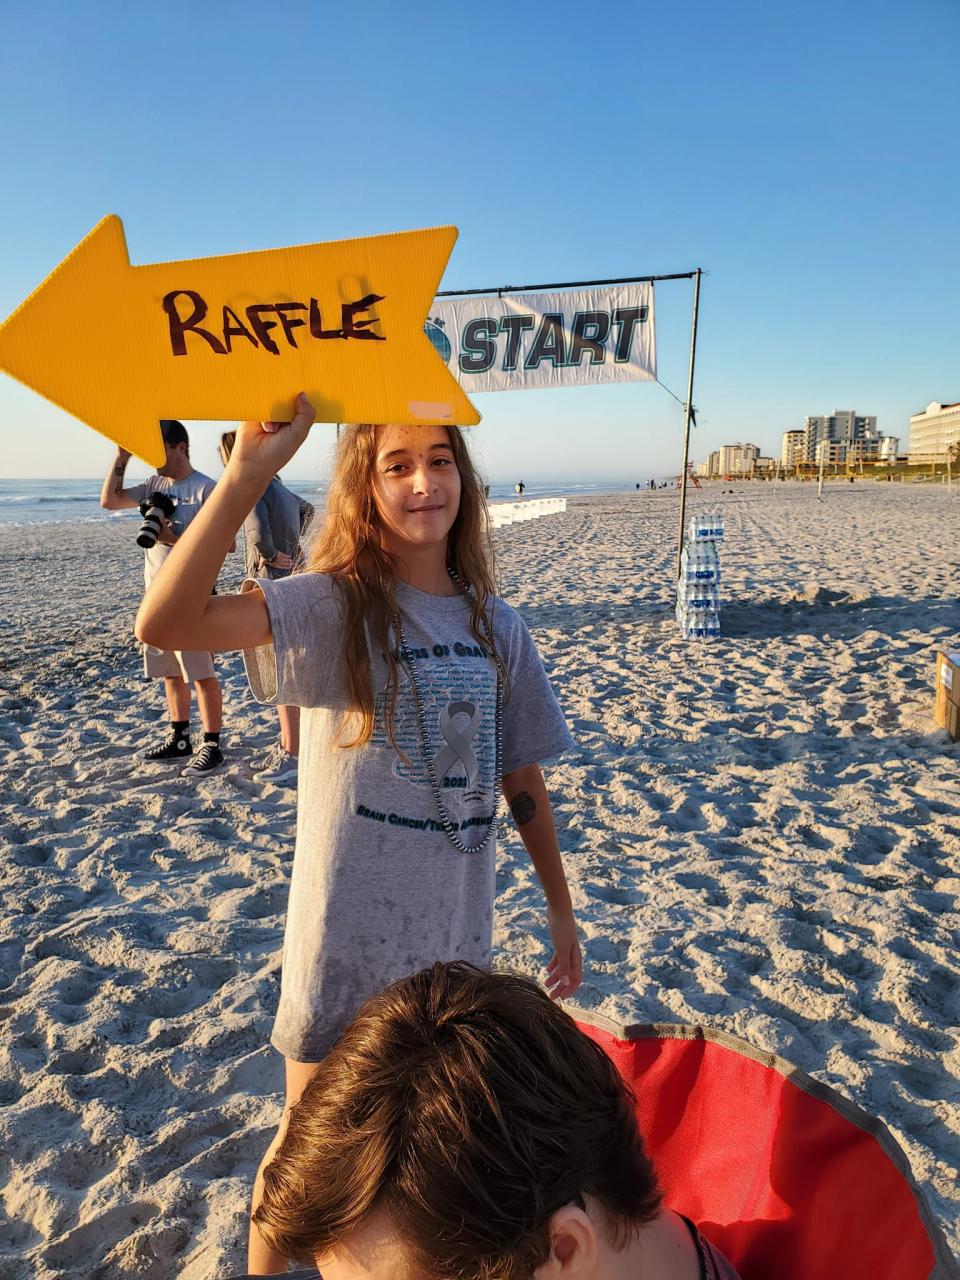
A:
178	669
464	1126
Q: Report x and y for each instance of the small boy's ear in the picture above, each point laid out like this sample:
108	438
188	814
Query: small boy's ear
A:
574	1248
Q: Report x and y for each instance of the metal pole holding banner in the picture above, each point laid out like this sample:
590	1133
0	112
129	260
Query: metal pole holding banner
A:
563	284
689	416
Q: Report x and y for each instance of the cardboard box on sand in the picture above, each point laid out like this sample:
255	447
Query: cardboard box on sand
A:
947	709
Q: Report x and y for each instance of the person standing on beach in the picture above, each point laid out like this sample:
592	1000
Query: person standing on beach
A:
272	533
178	668
423	695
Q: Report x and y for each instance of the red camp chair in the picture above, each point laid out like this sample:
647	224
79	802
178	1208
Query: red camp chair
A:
789	1179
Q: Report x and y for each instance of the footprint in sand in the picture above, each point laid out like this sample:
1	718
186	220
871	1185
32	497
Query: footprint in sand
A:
77	1246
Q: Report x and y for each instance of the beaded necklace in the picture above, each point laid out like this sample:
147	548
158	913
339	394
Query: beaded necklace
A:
449	826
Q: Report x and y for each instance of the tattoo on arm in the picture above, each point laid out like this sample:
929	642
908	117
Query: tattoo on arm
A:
118	471
523	807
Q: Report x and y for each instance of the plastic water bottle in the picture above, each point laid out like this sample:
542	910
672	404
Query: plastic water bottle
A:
697	623
705	529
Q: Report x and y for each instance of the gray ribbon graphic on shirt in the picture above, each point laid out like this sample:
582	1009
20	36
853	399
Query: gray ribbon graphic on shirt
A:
458	741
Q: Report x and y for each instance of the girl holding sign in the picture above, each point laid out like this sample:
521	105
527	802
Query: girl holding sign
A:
422	695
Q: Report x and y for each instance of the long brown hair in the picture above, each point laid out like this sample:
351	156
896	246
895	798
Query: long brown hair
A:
470	1108
349	547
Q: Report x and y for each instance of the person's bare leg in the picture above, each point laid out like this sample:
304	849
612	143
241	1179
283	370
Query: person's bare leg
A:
261	1260
178	697
290	729
211	704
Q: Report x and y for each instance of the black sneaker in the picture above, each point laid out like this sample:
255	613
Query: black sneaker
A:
175	748
208	759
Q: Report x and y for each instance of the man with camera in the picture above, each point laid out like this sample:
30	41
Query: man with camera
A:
168	501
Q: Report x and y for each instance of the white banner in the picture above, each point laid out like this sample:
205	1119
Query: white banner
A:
521	341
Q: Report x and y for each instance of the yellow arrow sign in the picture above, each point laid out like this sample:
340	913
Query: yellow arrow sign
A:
236	337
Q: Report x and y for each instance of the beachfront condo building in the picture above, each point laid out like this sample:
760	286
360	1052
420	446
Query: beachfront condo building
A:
732	460
791	449
843	427
830	452
933	432
880	449
711	467
738	459
857	452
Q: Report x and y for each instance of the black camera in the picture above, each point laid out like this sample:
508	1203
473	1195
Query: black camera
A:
155	509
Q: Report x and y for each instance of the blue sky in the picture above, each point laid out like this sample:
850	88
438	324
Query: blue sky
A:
805	155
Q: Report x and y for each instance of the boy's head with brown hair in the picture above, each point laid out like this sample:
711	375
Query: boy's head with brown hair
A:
458	1119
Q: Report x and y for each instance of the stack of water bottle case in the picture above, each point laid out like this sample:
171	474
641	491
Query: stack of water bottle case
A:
698	588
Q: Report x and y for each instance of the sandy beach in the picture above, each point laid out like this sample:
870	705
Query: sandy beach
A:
762	833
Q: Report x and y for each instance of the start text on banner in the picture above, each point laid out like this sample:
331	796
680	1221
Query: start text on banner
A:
521	341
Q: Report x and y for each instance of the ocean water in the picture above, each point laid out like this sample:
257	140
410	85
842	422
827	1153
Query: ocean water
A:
53	502
78	501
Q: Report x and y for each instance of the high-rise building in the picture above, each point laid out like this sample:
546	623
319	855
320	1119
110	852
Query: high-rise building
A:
842	427
737	459
933	432
830	452
791	449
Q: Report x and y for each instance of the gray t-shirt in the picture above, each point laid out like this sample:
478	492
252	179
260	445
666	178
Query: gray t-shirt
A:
190	494
377	890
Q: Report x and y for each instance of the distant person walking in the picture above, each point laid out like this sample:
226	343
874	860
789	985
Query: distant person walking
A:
519	487
176	480
272	532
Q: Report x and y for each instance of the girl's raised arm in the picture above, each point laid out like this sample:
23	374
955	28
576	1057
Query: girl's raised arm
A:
179	610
